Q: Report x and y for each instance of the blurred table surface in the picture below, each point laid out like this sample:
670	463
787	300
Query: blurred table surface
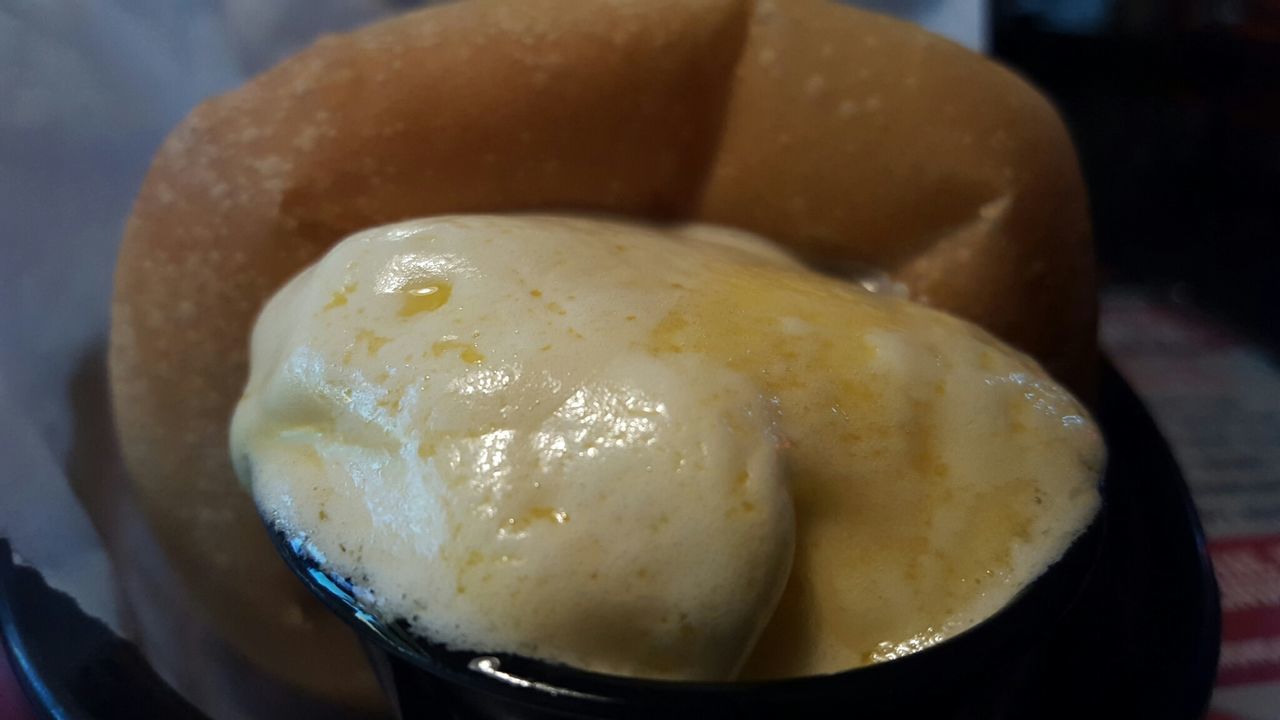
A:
1216	397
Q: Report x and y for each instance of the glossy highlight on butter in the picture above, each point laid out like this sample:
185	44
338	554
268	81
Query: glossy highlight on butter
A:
663	452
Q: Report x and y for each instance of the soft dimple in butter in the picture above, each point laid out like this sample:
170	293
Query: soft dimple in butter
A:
614	446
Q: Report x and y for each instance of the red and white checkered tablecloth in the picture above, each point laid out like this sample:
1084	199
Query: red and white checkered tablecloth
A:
1216	397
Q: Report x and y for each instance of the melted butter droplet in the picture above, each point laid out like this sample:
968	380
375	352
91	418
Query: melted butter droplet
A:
372	341
340	297
425	296
467	352
556	516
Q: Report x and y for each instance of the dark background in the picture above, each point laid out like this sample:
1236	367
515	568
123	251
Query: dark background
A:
1175	108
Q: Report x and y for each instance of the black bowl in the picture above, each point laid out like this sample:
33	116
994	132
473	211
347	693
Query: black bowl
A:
963	676
966	675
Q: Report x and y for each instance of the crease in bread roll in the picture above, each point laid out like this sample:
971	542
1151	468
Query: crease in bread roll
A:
844	135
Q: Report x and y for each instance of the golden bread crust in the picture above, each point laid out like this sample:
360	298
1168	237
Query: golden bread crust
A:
845	135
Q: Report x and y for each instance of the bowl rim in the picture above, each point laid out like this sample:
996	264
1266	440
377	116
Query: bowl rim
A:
537	681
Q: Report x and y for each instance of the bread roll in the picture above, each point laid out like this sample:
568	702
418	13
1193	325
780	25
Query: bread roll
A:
850	137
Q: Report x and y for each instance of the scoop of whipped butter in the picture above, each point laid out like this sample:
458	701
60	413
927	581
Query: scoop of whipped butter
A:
669	453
